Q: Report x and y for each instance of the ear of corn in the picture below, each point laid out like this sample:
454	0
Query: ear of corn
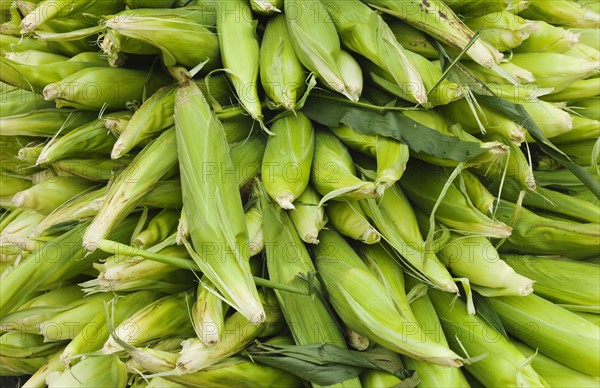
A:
533	234
208	313
473	335
406	237
425	184
266	6
38	379
563	12
315	41
131	185
93	335
308	217
472	8
412	39
425	316
583	51
93	169
256	241
546	326
348	219
436	19
85	373
212	204
503	30
154	116
237	35
583	129
548	38
475	258
391	154
351	288
238	332
487	76
19	101
550	275
158	229
155	320
288	158
585	88
182	34
247	156
553	372
281	72
333	173
477	192
49	194
44	122
362	30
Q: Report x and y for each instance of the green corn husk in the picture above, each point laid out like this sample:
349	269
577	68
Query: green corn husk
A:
11	366
96	332
485	75
351	74
96	169
585	88
68	324
548	38
491	121
133	4
29	155
503	365
237	128
582	153
583	51
552	201
247	156
372	378
36	78
363	31
237	35
448	29
555	373
152	163
315	41
85	374
48	10
288	158
159	228
34	57
208	314
49	194
406	237
45	122
503	30
424	183
589	107
10	43
237	333
23	345
256	241
583	129
281	72
391	154
133	273
333	173
290	264
266	7
173	35
348	219
89	138
351	288
38	379
13	184
212	204
153	117
15	236
412	39
424	314
19	101
475	258
589	37
75	90
473	8
551	120
563	12
446	92
156	320
116	124
558	333
165	195
308	217
564	70
533	234
477	192
388	271
552	274
514	165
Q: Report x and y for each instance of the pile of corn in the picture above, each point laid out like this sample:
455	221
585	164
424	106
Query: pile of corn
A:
282	193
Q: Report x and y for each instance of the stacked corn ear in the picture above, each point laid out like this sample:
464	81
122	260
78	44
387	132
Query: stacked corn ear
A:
292	193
